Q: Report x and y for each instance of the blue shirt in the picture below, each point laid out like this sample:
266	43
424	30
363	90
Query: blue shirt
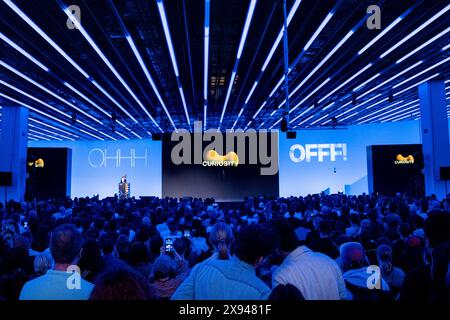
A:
222	280
53	286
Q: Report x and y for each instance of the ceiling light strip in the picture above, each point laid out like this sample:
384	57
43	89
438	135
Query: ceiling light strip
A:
248	20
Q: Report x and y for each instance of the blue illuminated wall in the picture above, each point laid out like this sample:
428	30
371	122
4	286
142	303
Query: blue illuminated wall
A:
347	173
92	175
97	166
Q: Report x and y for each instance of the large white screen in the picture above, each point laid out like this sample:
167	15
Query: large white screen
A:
97	166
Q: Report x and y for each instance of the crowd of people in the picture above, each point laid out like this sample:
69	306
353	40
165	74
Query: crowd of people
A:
317	247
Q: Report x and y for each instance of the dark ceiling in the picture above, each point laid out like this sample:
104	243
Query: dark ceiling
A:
114	77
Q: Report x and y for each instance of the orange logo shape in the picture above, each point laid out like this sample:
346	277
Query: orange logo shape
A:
39	163
400	159
215	159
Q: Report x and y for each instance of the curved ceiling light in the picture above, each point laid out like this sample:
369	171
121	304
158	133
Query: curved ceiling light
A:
162	14
68	85
140	61
416	31
94	46
25	77
52	127
149	77
206	61
301	114
272	52
50	132
26	54
24	17
45	114
386	30
373	41
421	73
248	20
436	37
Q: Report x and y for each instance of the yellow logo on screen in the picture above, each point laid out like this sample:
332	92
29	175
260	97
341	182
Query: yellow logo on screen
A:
214	159
39	163
400	159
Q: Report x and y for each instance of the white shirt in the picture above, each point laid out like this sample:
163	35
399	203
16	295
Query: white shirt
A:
163	230
131	235
316	275
54	286
199	245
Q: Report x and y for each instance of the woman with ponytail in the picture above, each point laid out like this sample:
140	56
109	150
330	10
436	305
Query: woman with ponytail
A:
231	278
221	237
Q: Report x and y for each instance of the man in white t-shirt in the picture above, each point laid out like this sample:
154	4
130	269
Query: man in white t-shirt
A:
63	282
314	274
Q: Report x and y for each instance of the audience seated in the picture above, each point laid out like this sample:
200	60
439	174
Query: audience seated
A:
314	274
121	284
286	292
362	283
317	247
65	247
392	275
235	278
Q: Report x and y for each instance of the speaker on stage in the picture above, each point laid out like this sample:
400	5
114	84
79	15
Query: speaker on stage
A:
5	179
124	188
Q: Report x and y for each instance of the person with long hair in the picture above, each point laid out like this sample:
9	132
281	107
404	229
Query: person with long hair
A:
221	237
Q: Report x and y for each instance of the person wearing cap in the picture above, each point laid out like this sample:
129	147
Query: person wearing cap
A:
428	282
357	274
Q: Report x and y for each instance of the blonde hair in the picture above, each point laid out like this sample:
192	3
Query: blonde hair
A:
221	237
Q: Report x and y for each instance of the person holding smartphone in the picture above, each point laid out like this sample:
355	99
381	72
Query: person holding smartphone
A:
165	281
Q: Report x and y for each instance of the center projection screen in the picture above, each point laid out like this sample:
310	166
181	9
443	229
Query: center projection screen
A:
202	174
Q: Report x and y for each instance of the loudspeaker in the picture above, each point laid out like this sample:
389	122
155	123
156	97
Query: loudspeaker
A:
291	134
284	125
156	136
5	179
445	173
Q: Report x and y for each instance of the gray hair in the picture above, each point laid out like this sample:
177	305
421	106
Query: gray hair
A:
42	263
